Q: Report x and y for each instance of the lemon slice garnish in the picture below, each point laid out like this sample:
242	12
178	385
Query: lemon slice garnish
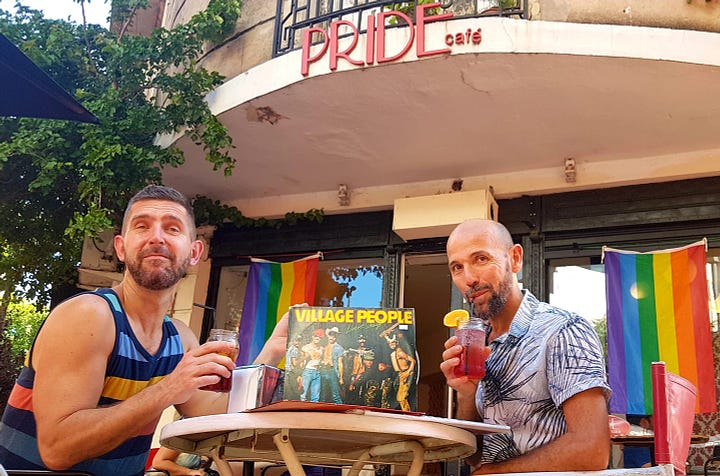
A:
452	318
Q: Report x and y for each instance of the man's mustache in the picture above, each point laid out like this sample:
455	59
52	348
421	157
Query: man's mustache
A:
475	289
156	250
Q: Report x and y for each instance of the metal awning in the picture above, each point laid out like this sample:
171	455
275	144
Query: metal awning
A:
28	92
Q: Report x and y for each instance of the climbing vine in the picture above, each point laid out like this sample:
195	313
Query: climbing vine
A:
212	212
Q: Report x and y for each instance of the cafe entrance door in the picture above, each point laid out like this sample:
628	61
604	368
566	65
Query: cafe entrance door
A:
427	287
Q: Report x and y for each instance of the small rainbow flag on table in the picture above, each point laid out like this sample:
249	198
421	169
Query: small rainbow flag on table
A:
271	289
657	310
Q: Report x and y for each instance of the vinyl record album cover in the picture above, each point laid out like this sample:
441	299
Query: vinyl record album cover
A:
357	356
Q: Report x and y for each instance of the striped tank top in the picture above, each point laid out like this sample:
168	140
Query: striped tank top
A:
130	369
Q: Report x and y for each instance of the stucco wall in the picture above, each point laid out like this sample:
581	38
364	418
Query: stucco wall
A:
251	44
678	14
178	12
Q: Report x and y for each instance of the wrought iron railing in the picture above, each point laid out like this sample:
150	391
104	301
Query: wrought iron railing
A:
294	16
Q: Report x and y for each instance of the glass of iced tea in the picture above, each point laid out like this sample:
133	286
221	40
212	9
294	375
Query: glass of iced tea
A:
471	336
228	336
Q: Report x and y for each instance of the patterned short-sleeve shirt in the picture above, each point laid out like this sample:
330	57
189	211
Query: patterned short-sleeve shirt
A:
547	356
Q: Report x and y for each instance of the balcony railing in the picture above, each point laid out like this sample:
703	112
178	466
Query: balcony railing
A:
294	16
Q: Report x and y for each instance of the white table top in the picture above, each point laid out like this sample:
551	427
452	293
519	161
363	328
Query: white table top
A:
320	437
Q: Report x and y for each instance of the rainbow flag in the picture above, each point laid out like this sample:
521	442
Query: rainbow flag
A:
657	310
271	289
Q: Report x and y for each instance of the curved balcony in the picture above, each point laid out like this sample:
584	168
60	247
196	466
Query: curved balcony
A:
267	29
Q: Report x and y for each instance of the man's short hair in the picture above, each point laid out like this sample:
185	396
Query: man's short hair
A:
160	192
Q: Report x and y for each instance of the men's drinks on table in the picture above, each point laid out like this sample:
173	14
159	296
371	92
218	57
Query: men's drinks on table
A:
470	332
228	336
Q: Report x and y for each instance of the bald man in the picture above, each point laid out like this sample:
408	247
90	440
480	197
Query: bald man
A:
545	372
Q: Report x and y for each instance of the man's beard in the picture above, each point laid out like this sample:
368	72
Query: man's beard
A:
497	301
157	279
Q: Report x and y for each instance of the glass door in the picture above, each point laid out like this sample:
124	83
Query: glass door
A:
427	287
578	285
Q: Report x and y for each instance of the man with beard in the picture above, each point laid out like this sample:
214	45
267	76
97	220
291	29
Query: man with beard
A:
105	364
545	371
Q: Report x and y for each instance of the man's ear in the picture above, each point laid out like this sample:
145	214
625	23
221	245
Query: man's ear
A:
197	250
119	245
516	258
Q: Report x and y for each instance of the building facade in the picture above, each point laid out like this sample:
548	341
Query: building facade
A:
590	123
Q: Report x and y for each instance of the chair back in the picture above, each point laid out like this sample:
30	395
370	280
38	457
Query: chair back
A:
674	414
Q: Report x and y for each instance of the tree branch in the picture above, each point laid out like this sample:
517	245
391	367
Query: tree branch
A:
88	50
127	22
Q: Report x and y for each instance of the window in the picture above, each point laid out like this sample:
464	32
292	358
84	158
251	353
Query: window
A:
713	277
350	283
231	294
578	285
340	283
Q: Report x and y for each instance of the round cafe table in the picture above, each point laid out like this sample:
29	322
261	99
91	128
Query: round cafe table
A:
295	438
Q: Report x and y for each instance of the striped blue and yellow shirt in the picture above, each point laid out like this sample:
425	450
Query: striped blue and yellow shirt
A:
130	369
